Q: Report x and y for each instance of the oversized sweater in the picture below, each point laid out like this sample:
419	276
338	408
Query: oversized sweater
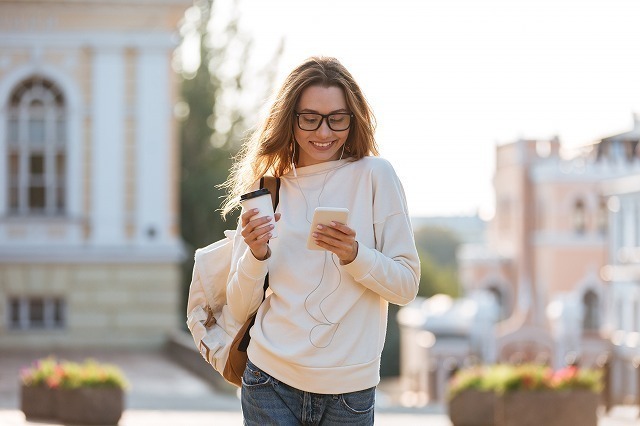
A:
323	327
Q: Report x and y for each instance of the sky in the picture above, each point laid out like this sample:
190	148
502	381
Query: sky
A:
449	80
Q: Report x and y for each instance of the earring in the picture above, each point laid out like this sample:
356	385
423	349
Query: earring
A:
293	160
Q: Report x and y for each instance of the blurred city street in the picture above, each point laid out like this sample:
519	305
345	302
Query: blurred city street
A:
164	393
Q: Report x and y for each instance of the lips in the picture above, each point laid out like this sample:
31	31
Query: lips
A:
322	145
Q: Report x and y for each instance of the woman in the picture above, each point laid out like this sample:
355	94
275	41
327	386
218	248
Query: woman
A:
314	356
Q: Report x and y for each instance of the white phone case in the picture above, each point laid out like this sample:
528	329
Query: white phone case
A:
324	216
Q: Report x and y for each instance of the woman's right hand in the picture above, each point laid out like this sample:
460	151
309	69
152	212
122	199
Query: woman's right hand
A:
255	234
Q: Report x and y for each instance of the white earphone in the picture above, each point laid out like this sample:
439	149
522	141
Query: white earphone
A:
293	160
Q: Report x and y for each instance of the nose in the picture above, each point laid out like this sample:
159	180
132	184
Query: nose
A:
324	129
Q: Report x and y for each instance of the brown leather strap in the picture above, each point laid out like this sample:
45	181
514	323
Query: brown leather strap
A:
273	185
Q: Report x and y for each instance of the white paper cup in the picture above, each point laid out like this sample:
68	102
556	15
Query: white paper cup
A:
261	200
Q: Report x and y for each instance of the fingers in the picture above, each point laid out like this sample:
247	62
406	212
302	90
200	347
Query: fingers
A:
256	233
339	239
246	217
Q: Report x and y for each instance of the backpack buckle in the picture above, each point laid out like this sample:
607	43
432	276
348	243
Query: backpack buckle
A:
211	320
204	350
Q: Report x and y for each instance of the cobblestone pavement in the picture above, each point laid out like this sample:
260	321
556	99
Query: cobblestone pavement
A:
163	393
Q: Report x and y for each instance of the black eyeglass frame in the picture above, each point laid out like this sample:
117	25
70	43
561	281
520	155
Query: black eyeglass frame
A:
324	117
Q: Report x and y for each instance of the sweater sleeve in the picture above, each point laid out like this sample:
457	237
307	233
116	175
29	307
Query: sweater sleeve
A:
391	268
245	286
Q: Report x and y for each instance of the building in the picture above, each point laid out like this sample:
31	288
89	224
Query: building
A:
623	269
542	264
90	249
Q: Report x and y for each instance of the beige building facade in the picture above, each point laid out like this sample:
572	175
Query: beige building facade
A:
90	249
556	281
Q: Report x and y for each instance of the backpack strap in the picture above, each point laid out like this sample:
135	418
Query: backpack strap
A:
273	185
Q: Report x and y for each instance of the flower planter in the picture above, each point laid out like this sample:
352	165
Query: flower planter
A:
90	406
38	402
549	408
472	407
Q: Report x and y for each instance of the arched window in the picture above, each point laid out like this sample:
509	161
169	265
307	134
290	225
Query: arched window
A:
591	320
603	217
579	217
36	149
499	297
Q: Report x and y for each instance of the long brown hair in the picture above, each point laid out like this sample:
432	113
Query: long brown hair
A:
269	150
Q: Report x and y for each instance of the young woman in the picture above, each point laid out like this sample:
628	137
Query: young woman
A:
314	356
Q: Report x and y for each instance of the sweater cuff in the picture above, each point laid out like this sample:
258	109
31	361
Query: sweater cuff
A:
252	267
362	264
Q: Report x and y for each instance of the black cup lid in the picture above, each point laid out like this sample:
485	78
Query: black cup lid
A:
254	194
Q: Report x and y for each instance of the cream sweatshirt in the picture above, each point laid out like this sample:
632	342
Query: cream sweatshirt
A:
323	327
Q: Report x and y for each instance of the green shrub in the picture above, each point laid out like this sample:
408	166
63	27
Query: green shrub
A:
501	378
72	375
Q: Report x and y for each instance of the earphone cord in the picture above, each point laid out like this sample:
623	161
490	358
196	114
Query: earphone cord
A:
295	175
326	321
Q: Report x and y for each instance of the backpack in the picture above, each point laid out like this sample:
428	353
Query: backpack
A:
221	340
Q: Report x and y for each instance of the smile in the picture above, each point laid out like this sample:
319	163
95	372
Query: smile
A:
322	145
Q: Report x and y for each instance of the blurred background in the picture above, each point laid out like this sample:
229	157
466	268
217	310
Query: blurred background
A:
512	125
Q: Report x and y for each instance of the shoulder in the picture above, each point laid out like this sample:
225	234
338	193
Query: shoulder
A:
377	165
378	168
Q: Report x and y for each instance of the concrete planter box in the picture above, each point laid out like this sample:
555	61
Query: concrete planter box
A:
90	406
548	408
38	402
472	408
86	406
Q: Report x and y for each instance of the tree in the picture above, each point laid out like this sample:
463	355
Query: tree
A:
437	250
214	118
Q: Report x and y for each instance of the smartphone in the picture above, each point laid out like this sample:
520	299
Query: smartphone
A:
324	216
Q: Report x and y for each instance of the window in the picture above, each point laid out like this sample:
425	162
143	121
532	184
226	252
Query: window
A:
540	215
579	217
591	320
603	217
635	222
635	326
499	298
36	149
28	313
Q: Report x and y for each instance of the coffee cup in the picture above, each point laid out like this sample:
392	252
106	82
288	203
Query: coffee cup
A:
260	199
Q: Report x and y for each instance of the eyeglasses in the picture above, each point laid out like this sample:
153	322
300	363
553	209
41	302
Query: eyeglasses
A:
311	121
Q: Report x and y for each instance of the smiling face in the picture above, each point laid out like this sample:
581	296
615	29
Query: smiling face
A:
323	144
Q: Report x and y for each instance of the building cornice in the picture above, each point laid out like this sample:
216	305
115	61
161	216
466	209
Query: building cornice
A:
79	39
624	185
183	3
30	255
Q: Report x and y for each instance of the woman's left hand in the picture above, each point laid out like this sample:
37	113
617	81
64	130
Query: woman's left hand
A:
339	239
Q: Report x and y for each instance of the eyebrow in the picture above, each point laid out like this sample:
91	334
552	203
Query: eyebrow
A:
337	111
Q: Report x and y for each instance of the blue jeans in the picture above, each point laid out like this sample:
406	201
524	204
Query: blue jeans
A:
267	401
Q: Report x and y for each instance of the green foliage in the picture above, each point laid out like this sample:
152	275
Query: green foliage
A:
390	360
213	124
439	243
503	378
72	375
37	374
435	278
437	250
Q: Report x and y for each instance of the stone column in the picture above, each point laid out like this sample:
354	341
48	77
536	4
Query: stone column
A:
107	160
